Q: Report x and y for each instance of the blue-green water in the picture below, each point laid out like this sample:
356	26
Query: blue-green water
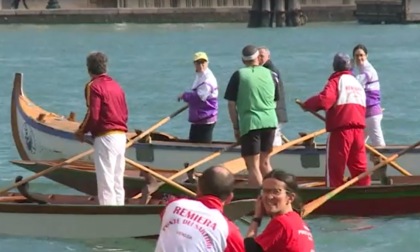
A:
153	64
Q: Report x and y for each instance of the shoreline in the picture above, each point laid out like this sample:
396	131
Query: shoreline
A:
160	15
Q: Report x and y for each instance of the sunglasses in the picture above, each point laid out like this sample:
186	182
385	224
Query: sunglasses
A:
200	61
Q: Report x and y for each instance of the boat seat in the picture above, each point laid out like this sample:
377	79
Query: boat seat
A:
157	136
308	143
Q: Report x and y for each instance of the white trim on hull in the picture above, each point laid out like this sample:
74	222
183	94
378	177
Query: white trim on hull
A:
79	226
50	147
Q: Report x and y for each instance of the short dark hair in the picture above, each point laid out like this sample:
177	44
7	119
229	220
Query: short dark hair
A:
96	63
216	181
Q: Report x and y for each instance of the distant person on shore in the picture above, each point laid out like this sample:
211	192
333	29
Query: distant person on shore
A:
202	101
367	76
252	93
196	225
15	4
265	61
344	101
106	119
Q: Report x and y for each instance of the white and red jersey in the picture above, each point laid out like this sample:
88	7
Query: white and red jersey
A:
198	226
344	101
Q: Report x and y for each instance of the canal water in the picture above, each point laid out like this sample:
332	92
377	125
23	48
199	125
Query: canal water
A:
154	65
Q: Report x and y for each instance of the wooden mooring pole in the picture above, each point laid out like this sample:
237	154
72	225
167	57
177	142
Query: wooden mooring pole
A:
276	13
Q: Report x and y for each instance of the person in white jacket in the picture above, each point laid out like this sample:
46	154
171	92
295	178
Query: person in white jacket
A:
366	74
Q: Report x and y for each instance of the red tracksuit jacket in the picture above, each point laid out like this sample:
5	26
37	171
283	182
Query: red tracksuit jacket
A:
344	101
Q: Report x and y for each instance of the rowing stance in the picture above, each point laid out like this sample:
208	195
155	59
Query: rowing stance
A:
106	119
344	101
198	225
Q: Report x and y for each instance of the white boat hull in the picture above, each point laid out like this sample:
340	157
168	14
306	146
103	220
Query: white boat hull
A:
79	226
80	217
40	141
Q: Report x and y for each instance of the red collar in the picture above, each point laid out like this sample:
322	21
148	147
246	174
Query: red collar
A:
338	74
211	202
99	76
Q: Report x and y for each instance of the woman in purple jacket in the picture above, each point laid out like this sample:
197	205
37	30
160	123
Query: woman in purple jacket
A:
366	74
368	77
202	101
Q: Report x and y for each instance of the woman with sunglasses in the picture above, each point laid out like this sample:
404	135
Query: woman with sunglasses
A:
286	231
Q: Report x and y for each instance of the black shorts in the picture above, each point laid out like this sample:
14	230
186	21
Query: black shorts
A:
256	141
201	133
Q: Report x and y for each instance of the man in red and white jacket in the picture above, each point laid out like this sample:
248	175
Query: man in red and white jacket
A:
344	101
198	225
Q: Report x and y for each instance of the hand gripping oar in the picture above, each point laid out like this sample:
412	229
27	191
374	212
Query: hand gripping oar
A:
90	151
238	164
311	206
370	148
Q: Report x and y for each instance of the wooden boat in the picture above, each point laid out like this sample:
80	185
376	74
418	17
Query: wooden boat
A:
81	176
80	217
41	135
403	197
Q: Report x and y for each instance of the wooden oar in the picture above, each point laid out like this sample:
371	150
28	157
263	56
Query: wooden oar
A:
193	166
312	184
88	152
238	164
370	148
167	180
311	206
202	161
159	176
12	198
284	138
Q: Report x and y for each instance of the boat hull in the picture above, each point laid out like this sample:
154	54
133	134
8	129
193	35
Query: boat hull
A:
80	217
79	226
50	137
82	179
403	197
376	200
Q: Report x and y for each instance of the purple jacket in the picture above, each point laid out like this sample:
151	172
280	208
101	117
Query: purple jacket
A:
202	99
368	77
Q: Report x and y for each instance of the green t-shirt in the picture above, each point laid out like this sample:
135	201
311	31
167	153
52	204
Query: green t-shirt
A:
255	101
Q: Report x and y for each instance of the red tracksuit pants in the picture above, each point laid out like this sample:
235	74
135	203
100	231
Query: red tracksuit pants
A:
346	147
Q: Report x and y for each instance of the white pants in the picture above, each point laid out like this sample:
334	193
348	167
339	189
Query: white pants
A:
374	130
277	137
109	157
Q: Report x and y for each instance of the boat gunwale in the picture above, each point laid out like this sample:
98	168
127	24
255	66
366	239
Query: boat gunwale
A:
402	182
79	209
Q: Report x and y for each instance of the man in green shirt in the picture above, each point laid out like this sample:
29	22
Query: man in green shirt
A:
252	93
